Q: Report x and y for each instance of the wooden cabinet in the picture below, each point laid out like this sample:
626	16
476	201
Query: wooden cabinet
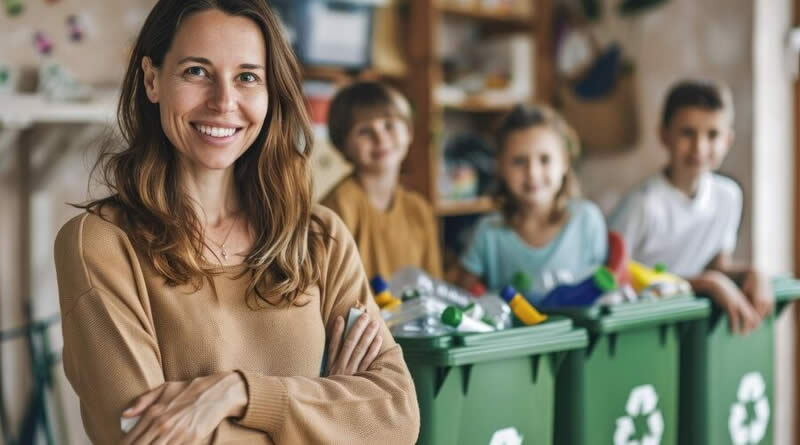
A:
426	18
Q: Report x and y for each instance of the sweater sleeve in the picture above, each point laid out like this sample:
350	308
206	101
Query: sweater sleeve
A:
110	351
377	406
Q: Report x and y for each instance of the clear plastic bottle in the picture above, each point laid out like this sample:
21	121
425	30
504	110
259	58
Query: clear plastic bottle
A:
455	317
413	278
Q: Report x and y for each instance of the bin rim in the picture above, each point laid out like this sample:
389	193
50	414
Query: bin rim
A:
637	315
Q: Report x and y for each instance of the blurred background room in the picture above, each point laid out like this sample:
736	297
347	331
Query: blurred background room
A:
605	65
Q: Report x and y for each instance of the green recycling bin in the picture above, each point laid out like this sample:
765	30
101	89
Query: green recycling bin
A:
623	388
727	388
494	388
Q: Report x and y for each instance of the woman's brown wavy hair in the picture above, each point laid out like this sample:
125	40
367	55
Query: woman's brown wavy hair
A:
272	176
526	116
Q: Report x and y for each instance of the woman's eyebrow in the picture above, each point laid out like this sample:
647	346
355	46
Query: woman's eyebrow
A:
201	60
204	61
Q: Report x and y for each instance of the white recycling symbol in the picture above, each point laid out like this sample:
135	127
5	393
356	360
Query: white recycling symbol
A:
752	389
643	401
506	436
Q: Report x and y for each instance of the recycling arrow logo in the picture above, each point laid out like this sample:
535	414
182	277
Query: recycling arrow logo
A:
506	436
752	390
643	401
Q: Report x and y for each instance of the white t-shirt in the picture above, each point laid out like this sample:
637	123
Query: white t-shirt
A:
661	224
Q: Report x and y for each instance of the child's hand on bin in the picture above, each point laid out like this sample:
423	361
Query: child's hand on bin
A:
758	289
742	317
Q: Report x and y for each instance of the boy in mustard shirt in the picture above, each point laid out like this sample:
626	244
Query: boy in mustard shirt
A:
370	123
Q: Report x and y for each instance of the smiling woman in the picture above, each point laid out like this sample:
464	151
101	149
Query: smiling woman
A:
198	298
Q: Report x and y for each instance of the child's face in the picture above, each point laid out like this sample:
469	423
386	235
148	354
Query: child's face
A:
533	165
698	140
378	143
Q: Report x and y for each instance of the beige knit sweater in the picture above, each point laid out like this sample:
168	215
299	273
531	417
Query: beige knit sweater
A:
126	332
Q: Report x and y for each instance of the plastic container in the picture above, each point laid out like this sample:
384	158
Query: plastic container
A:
727	389
584	293
494	388
414	279
455	317
523	310
623	388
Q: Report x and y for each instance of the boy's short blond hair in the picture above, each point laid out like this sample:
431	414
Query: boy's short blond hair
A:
706	94
360	100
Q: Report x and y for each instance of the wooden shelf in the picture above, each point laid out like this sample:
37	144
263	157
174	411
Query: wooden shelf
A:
477	107
481	204
488	16
343	75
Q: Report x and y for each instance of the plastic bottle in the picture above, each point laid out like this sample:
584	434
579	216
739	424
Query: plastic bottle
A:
584	293
412	310
660	282
521	308
496	311
455	317
413	278
383	296
535	290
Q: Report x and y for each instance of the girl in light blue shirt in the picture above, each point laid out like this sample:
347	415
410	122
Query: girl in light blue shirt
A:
543	229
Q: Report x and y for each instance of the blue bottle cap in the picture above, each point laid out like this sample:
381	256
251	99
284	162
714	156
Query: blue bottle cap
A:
378	284
508	293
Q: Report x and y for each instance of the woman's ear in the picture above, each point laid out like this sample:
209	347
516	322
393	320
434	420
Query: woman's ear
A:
150	79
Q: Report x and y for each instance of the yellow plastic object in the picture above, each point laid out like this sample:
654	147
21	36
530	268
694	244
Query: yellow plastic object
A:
642	277
385	298
392	304
526	313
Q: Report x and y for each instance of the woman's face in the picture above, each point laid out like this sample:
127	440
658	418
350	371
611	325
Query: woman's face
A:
211	88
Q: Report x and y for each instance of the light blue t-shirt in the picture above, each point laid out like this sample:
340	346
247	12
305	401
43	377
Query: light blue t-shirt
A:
497	252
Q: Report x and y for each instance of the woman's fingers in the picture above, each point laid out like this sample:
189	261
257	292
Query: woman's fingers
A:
143	402
143	431
335	343
352	339
372	354
362	347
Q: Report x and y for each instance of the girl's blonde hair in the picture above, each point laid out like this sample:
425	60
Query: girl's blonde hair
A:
272	176
527	116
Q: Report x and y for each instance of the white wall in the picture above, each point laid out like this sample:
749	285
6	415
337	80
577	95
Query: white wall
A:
682	38
773	184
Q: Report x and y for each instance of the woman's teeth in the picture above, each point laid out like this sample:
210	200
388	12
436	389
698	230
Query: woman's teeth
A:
216	132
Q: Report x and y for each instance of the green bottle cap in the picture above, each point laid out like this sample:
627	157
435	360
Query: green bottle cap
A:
660	268
452	316
522	281
604	279
409	294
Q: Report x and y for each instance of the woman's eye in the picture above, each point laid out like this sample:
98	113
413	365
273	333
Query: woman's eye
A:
196	71
248	78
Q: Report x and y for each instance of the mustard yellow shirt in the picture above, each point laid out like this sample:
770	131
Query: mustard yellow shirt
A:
404	235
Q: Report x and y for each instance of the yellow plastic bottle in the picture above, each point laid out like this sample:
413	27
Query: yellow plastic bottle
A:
383	296
521	308
643	277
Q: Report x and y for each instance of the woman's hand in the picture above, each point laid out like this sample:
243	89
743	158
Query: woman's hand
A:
186	412
359	349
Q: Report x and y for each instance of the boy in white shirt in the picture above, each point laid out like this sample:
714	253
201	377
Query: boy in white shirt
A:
687	217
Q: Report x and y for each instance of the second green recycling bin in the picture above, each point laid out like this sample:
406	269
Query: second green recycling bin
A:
727	390
494	388
623	388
